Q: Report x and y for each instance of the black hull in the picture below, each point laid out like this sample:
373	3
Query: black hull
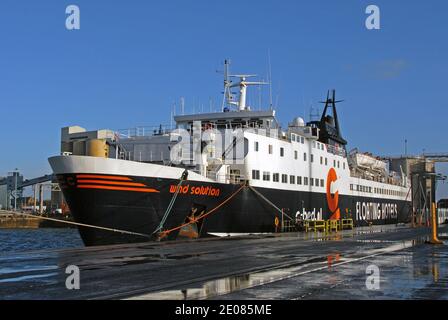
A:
246	212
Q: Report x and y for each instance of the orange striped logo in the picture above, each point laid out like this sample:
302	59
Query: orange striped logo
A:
93	176
333	200
115	183
119	183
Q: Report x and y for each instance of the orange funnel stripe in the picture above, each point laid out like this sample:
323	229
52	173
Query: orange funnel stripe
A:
118	183
92	176
89	186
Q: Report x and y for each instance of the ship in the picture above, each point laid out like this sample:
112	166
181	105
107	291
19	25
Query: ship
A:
227	173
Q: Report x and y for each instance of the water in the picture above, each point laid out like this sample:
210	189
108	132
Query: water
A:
17	240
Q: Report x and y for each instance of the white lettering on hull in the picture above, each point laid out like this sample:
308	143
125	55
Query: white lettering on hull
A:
376	211
310	215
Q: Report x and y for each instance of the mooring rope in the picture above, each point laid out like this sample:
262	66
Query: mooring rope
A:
165	233
269	202
171	204
162	233
84	225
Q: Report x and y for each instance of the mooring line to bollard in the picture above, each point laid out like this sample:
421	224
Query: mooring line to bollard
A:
86	225
270	203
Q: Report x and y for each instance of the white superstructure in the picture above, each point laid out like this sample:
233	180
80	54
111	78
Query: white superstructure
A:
296	158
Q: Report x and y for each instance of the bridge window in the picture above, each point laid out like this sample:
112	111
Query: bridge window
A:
270	149
305	181
256	146
276	177
299	180
282	152
284	178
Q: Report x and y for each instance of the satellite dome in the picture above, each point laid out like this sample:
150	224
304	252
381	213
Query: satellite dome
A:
298	122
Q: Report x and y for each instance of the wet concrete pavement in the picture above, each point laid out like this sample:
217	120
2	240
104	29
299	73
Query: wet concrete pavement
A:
418	272
288	266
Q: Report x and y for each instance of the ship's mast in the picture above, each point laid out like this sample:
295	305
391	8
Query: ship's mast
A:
228	98
242	84
330	130
331	101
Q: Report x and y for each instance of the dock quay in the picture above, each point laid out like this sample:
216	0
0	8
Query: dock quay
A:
288	266
16	220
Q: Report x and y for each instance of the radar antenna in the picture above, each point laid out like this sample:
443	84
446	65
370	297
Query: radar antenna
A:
242	84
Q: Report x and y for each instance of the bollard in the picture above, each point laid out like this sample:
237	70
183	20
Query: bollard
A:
434	239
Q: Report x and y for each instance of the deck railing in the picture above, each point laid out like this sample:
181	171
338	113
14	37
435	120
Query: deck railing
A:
146	131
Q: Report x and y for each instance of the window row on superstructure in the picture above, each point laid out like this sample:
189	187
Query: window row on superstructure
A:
306	156
290	179
379	191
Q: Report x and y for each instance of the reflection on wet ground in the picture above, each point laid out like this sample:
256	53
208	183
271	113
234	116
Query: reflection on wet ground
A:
235	283
306	277
419	271
281	266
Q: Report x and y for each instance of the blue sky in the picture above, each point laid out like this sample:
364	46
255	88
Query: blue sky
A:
132	59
